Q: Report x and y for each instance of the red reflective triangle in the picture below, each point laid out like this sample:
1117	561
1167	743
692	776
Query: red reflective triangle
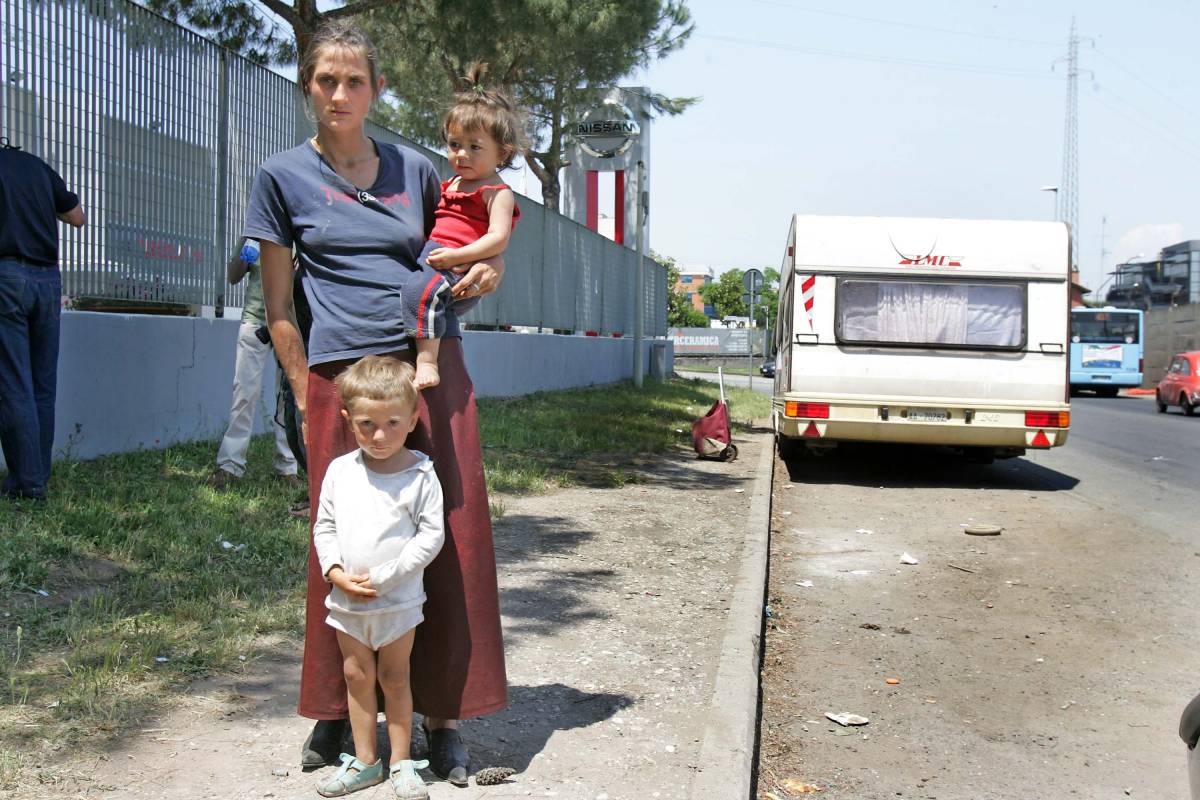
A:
811	431
1040	440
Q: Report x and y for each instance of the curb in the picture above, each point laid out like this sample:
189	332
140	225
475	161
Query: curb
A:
727	750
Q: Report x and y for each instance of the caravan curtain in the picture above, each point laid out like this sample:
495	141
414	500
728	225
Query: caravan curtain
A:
938	314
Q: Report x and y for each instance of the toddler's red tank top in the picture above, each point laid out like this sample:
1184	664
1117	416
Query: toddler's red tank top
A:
462	217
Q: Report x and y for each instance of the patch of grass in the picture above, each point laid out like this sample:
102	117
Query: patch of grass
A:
587	436
128	550
142	597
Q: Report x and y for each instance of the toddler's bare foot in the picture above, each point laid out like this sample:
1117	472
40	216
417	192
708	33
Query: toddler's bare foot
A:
427	376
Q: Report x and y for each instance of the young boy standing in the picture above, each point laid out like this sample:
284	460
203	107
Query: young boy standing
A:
379	524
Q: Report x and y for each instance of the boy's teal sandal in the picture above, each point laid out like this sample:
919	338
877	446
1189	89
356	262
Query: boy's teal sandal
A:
407	784
344	781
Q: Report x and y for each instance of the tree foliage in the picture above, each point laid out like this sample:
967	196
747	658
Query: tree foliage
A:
241	26
555	57
725	295
680	312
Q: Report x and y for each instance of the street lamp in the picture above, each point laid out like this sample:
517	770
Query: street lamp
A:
1055	190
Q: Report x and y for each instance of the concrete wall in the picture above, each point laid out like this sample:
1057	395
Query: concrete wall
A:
130	382
1168	331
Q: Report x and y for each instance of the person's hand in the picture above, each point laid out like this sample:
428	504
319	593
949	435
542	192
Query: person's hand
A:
481	278
356	587
440	257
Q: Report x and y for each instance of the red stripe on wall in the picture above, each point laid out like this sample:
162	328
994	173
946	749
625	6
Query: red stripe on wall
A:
619	206
593	199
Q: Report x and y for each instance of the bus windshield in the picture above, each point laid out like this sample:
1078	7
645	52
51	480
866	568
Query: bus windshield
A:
1105	327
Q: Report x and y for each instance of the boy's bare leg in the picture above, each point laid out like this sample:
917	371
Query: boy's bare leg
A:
358	665
427	363
397	693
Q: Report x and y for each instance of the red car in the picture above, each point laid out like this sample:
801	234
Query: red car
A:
1181	385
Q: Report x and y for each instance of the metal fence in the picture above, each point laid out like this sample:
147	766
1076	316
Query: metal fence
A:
160	132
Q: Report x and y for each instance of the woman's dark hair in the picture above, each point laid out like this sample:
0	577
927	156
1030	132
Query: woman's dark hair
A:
480	108
340	35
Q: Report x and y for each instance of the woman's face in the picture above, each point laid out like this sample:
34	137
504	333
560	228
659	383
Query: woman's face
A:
341	89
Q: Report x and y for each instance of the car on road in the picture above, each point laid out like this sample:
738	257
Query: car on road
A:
768	368
1181	385
1189	731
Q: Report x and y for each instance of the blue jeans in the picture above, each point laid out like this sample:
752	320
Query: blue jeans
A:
30	307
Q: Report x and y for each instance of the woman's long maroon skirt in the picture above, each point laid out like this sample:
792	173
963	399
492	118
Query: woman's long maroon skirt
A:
458	657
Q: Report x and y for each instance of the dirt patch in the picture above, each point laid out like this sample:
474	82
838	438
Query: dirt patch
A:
614	604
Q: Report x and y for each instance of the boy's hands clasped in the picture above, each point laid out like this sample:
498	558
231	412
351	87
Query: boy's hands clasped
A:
356	587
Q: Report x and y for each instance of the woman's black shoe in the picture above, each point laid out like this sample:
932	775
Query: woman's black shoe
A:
325	743
447	755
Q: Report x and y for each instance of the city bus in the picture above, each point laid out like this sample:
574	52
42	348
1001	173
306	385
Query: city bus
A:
1106	349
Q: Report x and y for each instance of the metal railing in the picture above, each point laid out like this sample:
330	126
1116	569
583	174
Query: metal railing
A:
160	133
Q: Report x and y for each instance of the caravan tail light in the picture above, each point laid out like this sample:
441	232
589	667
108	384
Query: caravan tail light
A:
1047	419
811	410
1141	365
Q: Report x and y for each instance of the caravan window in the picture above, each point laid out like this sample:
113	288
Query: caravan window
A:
925	313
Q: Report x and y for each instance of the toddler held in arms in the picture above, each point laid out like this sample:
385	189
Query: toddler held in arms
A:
473	220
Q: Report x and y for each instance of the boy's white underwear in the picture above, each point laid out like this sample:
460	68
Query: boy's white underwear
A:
376	630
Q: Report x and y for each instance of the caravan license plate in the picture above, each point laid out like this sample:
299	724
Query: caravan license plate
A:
928	415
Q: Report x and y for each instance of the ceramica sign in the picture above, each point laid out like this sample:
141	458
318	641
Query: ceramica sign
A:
608	130
713	341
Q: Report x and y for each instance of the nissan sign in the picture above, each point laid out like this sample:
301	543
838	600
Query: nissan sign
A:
608	130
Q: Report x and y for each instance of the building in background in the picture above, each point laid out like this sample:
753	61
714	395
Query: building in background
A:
690	281
1078	290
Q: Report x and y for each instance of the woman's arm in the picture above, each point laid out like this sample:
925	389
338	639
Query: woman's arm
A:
492	243
285	335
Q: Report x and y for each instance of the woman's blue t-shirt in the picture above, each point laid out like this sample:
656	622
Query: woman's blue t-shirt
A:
351	244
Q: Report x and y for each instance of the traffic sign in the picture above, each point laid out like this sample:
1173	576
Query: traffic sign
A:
752	279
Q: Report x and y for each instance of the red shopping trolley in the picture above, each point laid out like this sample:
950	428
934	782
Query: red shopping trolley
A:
710	433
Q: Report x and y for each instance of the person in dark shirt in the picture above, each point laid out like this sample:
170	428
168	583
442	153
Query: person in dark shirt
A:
33	197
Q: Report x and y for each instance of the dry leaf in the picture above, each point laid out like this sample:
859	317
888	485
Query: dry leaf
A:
794	786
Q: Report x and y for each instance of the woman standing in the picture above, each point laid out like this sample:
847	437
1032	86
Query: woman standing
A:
359	212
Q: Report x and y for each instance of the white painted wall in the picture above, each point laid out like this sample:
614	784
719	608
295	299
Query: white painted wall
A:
131	382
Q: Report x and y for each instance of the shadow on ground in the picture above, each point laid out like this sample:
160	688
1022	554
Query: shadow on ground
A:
909	467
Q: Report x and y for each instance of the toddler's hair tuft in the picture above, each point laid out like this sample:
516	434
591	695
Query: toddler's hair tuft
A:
478	107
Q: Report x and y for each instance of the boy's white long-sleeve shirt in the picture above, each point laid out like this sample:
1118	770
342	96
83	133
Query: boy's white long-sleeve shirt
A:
389	525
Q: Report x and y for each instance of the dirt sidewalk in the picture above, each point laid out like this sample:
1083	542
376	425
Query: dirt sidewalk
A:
616	606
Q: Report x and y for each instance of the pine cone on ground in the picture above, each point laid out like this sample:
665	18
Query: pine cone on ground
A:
491	776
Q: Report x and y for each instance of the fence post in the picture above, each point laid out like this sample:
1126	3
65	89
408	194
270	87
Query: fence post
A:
222	231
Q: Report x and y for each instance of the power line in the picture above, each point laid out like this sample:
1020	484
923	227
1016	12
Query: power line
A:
1137	123
978	69
1167	129
1146	83
909	25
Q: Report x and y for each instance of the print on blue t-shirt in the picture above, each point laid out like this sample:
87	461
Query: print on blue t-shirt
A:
350	242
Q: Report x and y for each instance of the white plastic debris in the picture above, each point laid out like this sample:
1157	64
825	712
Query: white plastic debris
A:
805	584
740	491
161	659
864	531
237	548
907	559
846	719
43	592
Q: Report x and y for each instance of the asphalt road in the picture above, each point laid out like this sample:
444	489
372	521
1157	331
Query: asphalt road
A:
760	384
1052	660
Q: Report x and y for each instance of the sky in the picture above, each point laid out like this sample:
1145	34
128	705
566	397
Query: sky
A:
929	109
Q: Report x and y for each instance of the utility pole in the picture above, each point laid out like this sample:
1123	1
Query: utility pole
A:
639	311
1104	252
1068	194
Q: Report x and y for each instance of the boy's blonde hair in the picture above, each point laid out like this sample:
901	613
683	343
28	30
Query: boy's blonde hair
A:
377	378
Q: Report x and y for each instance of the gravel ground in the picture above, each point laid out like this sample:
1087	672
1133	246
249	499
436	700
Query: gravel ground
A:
615	603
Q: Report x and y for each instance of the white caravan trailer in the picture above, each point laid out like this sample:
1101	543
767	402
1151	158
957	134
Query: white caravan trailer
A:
923	331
